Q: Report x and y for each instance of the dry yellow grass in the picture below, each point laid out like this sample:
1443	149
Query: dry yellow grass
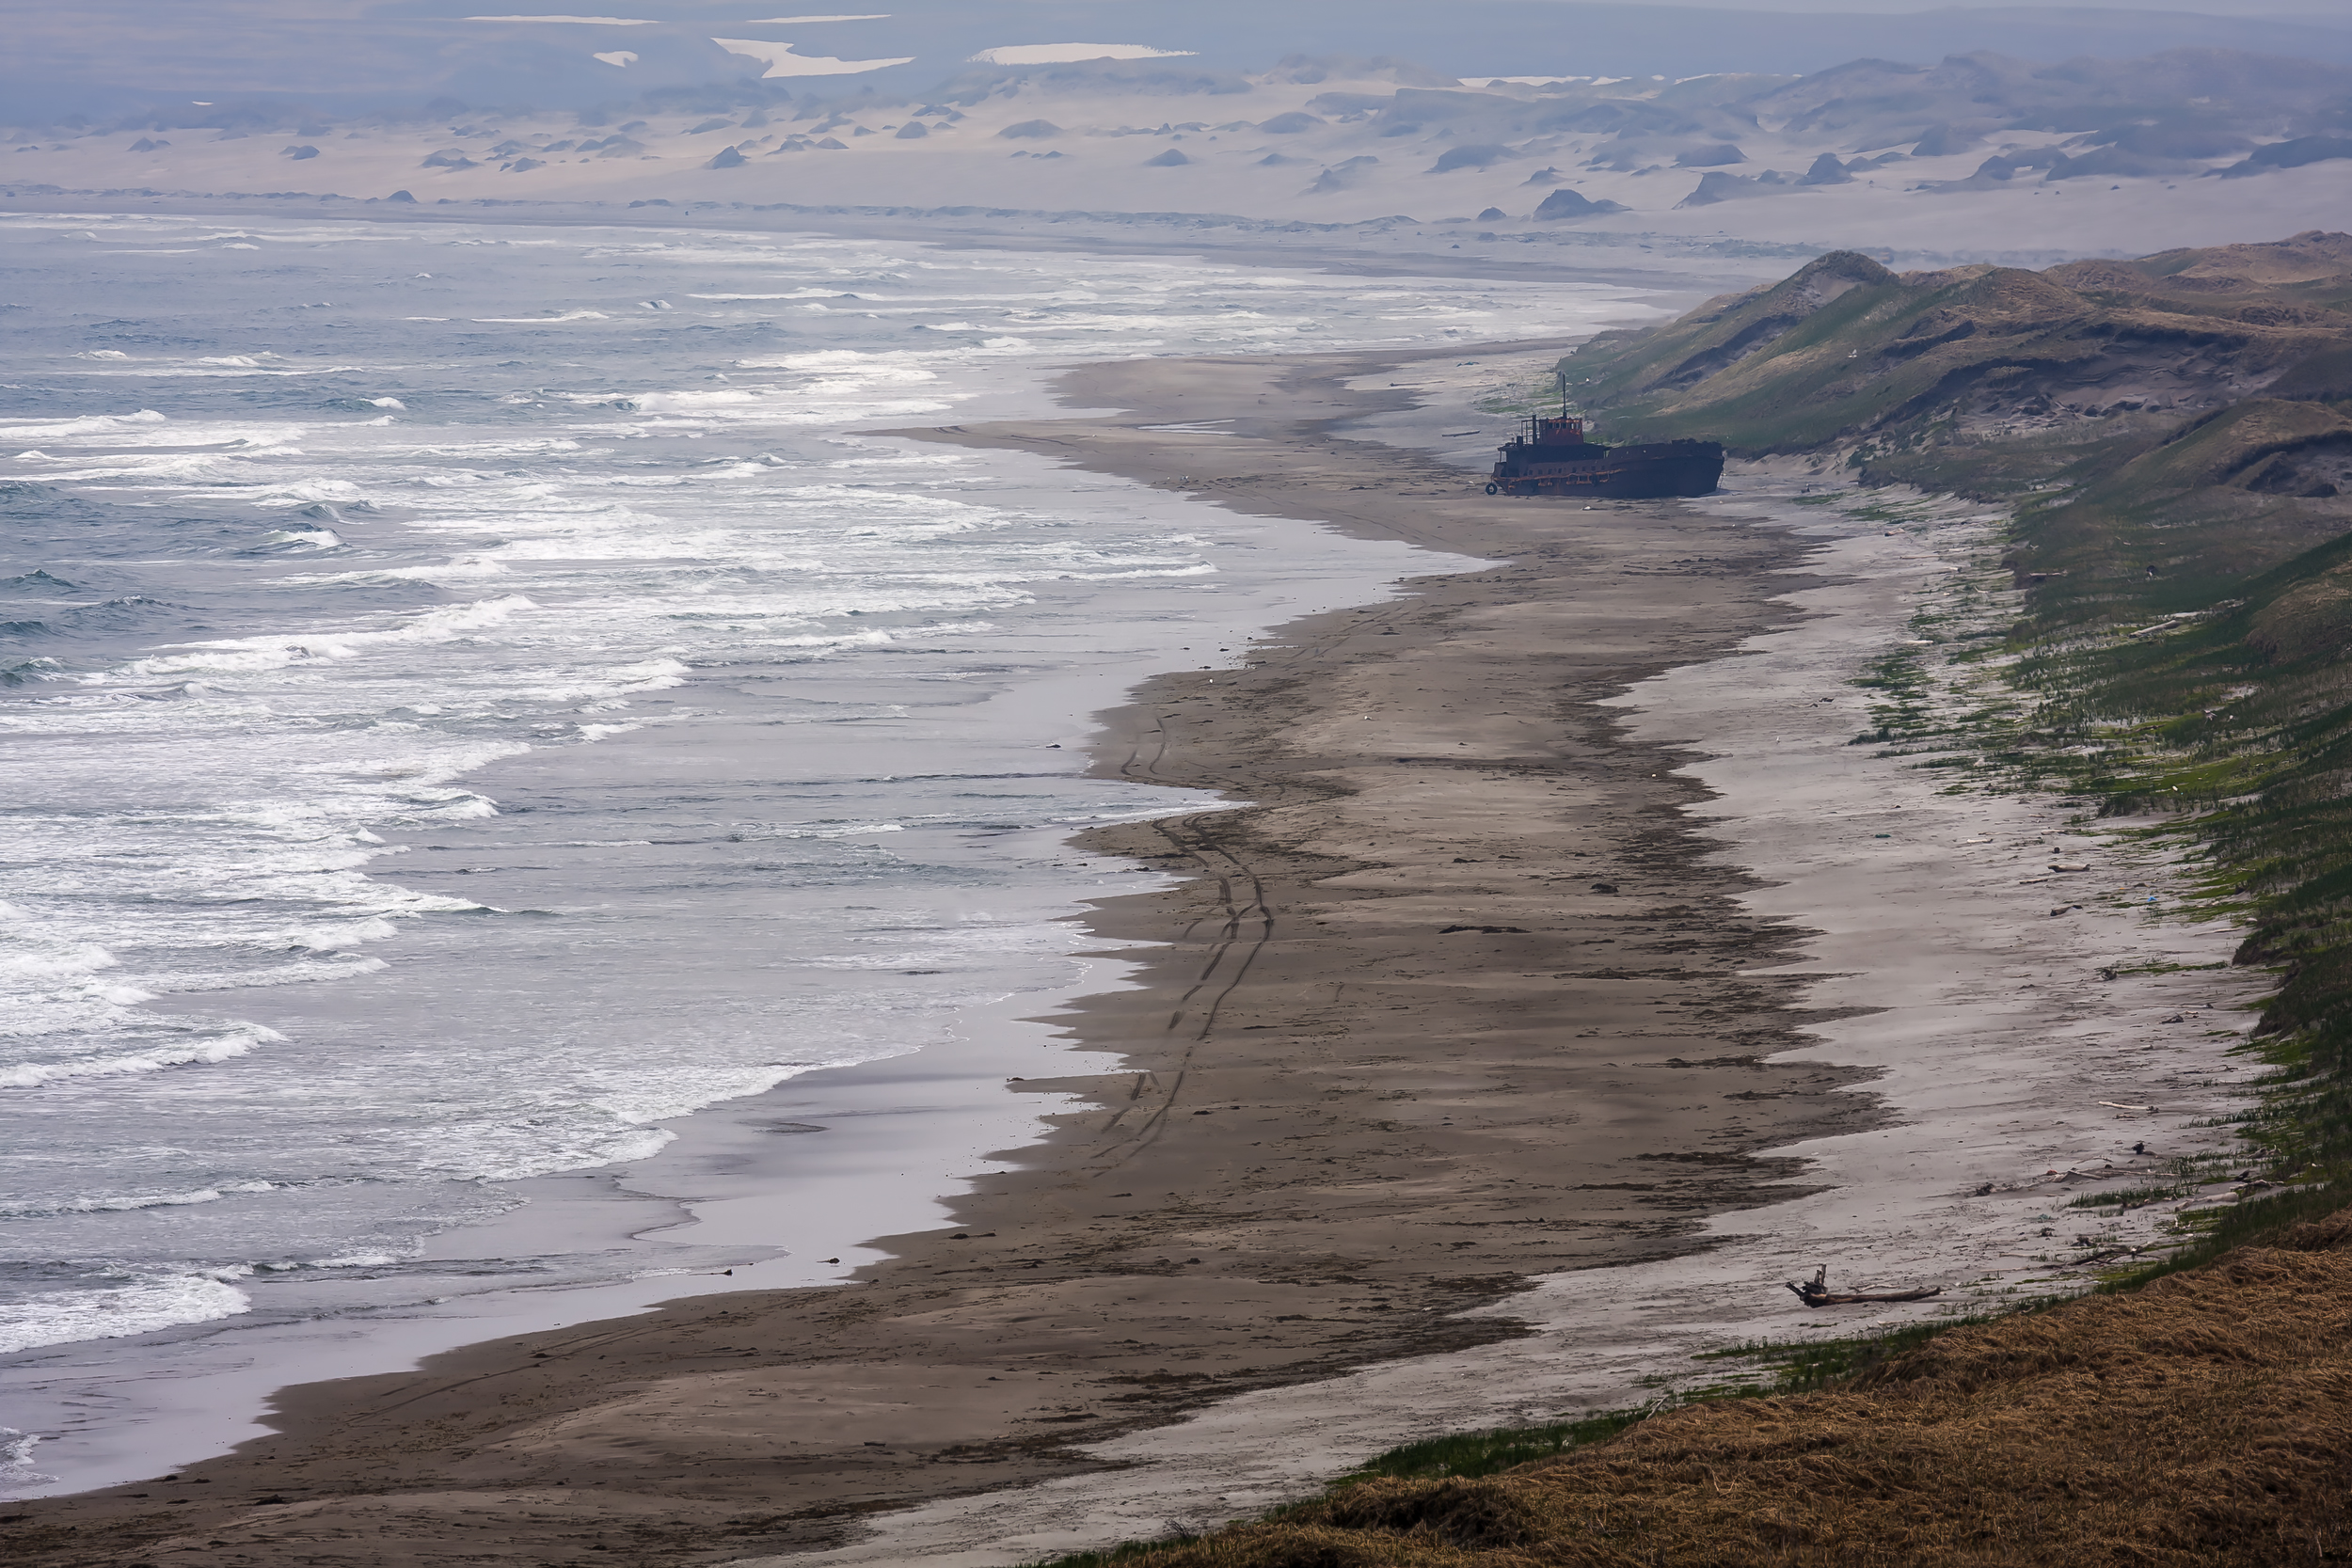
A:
2205	1419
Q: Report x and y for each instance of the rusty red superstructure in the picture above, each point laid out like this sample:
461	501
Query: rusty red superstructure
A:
1553	456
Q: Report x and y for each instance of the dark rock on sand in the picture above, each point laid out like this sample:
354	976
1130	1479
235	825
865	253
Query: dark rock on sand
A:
1709	157
1943	140
1341	176
1566	203
1826	170
2112	161
1719	186
2292	154
1477	155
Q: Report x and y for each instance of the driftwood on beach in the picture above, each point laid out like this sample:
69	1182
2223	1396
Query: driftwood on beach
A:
1816	1292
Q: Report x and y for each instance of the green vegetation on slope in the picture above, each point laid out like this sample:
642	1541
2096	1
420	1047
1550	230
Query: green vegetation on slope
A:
1847	357
2198	1421
2175	437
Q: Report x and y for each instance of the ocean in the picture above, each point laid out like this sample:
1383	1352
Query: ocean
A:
470	699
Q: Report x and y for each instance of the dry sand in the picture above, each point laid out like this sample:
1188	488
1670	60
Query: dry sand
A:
1491	984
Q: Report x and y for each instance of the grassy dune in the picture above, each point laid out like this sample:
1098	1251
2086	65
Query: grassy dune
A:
2205	1418
2174	435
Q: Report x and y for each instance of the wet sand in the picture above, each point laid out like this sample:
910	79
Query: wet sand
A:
1456	999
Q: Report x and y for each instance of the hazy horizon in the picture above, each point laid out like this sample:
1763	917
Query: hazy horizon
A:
118	57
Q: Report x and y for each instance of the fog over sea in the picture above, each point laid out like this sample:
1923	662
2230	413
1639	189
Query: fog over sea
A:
468	699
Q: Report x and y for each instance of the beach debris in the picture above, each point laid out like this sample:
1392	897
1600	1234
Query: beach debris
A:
2119	1105
2103	1255
1816	1292
1489	930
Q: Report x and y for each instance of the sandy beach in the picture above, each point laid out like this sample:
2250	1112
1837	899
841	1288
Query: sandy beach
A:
1347	1115
2018	1056
1505	1039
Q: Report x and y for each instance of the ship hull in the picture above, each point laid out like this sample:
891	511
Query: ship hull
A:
1660	468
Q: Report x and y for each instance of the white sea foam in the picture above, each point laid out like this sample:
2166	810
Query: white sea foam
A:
828	829
308	538
63	1317
126	1202
791	293
17	1470
243	654
344	966
328	938
88	425
276	776
304	492
222	1048
76	961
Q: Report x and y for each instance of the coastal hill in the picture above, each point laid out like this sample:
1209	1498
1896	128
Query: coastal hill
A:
2173	436
2169	423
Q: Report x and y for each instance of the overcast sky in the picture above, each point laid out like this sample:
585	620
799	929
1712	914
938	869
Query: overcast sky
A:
2333	11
